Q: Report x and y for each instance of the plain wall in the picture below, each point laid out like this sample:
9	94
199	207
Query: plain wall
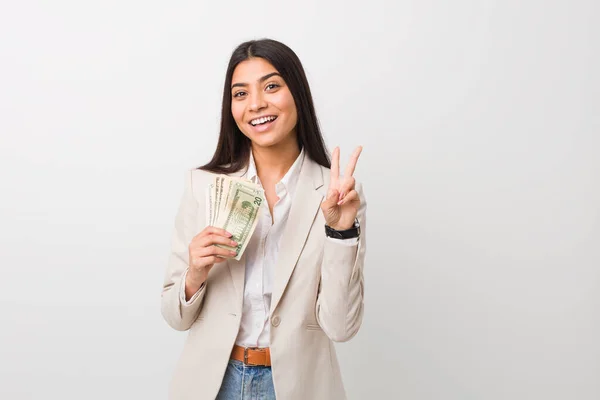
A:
479	121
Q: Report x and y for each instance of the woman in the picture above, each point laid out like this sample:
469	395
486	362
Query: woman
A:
263	326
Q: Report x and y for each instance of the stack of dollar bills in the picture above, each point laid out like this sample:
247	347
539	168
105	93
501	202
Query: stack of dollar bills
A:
234	204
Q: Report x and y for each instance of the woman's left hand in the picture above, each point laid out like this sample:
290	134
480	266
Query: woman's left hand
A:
341	206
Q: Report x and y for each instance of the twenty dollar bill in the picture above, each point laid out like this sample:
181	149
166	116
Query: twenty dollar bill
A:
234	205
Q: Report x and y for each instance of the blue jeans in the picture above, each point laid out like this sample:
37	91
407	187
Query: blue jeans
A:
246	382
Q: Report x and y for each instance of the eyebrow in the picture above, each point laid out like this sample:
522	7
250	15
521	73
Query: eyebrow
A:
264	78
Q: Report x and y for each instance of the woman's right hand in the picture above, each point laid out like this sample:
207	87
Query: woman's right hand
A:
203	254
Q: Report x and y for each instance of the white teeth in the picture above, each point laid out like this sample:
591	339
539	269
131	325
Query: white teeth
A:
262	120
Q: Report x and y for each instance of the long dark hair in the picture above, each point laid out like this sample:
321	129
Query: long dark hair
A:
233	148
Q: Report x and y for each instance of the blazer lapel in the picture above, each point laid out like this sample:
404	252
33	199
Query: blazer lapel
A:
305	206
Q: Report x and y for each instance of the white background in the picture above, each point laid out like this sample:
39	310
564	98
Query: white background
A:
479	121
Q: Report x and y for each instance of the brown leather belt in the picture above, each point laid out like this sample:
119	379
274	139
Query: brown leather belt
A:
252	356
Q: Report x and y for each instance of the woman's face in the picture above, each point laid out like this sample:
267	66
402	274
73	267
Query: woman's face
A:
262	104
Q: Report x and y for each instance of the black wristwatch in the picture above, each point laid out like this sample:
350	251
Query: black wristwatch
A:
353	232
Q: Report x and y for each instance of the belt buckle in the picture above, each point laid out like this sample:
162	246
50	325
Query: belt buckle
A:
246	355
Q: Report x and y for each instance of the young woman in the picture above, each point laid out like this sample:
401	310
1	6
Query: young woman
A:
264	326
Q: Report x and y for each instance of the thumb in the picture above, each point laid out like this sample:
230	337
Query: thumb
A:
331	200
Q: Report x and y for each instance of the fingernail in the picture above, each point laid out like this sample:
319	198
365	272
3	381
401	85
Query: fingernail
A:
233	253
228	234
234	243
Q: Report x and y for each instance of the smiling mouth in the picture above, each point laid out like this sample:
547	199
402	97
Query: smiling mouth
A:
263	120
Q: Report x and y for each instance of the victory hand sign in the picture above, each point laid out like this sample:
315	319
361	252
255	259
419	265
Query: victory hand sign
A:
341	206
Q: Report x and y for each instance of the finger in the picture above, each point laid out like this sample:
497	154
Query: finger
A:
335	165
331	200
208	261
216	251
212	230
215	239
201	238
351	196
346	186
352	163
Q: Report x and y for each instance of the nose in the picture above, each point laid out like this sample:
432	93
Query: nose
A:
257	101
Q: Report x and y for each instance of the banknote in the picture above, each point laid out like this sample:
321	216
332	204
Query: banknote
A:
218	193
234	204
209	203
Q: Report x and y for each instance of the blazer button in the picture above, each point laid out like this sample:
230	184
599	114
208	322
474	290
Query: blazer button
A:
275	321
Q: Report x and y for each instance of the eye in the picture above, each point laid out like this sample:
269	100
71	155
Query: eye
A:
272	86
239	94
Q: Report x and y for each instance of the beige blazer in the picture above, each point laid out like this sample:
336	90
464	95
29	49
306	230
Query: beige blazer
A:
317	298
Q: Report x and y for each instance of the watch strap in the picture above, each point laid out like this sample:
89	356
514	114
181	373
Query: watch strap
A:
353	232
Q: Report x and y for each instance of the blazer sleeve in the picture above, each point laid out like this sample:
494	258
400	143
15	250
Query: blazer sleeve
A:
339	308
178	313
